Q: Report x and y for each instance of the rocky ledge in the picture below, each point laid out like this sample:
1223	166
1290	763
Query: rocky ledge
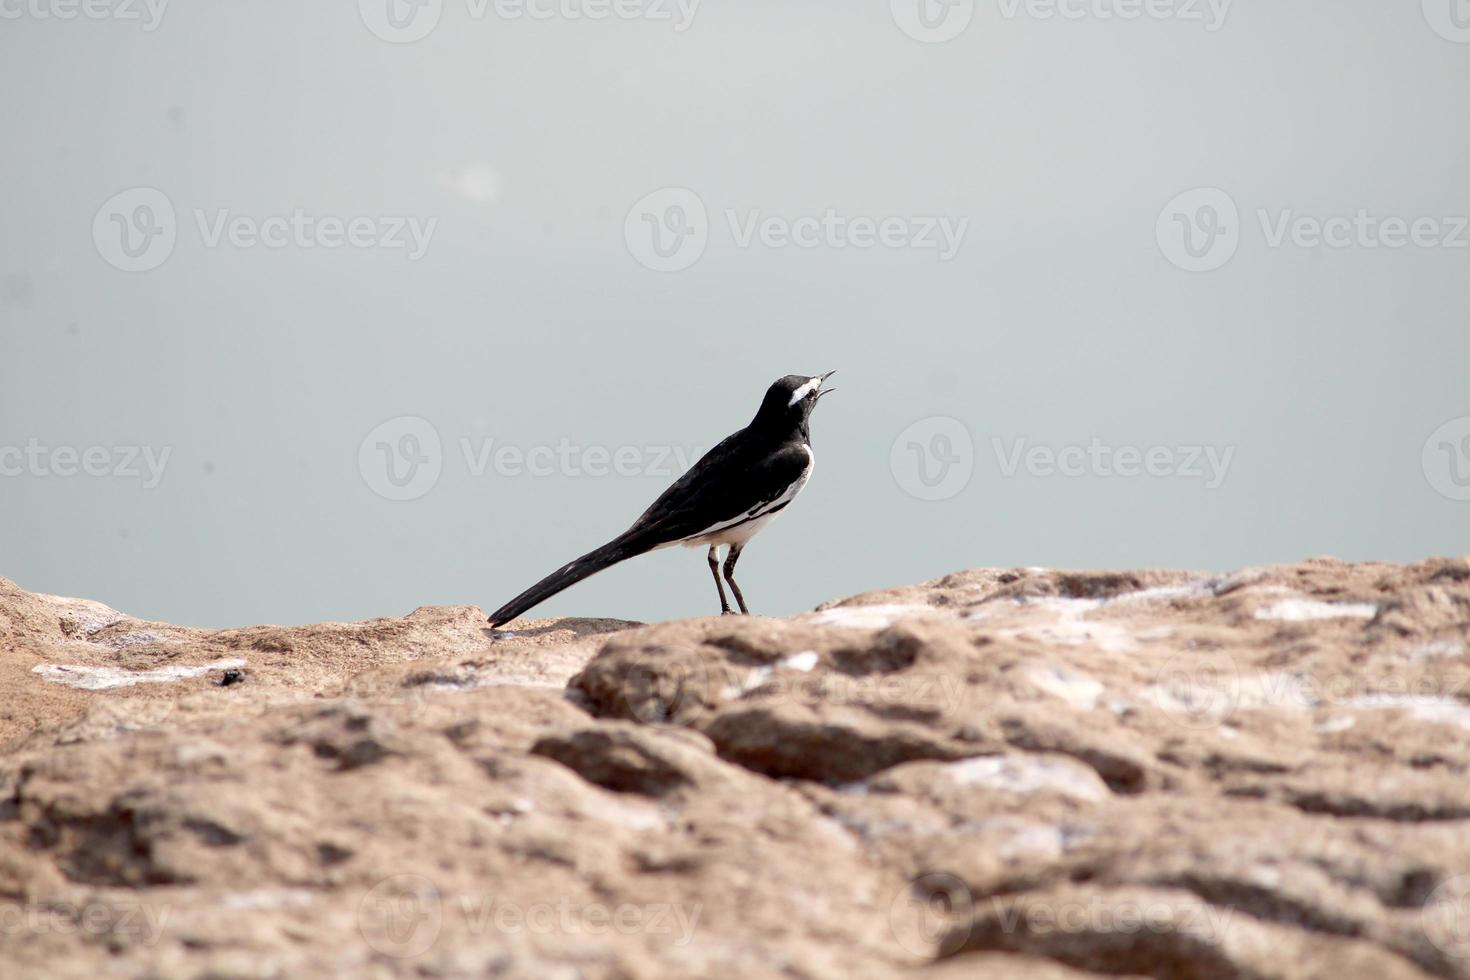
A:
1019	773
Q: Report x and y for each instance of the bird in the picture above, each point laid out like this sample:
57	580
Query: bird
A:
725	498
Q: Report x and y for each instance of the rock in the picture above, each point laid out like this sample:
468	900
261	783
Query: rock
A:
628	759
1017	772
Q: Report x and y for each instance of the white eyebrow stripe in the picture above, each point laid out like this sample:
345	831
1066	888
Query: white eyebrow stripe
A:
804	390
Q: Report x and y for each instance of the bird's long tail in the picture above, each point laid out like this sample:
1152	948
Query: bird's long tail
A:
618	549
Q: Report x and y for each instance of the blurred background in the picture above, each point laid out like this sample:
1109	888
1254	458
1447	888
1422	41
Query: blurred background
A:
331	310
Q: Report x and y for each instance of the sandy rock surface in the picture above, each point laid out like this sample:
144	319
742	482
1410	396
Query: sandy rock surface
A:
1010	773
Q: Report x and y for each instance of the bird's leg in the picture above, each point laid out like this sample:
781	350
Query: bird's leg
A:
730	558
714	569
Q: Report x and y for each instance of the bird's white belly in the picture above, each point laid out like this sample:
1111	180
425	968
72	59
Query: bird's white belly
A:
734	535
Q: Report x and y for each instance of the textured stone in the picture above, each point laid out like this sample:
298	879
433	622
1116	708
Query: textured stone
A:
1019	773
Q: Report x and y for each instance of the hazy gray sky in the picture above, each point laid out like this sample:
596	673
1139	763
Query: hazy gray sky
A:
266	266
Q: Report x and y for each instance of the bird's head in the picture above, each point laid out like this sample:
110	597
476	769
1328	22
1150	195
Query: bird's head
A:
790	400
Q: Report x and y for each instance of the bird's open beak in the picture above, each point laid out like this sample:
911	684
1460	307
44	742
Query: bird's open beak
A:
826	391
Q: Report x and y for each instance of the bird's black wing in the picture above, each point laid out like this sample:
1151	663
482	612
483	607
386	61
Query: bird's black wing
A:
731	480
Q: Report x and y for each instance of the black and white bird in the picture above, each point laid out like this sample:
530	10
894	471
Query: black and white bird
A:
734	490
